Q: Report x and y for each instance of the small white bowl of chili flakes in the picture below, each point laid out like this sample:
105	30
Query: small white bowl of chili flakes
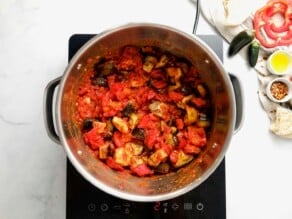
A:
279	90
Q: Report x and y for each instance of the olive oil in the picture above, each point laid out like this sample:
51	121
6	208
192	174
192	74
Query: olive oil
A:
280	62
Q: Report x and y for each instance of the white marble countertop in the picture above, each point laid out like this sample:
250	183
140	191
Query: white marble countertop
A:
33	50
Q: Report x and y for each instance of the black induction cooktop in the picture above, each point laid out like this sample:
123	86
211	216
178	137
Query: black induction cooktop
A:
84	201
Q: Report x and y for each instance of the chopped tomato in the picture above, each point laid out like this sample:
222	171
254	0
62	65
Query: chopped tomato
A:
143	95
85	108
136	80
175	96
93	138
149	121
182	140
191	149
142	170
113	164
196	136
179	124
152	137
130	58
120	139
199	102
158	79
110	107
118	90
173	156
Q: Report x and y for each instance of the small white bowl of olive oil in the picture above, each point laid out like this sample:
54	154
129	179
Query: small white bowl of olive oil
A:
280	63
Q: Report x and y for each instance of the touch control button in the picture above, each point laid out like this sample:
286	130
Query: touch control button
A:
104	207
127	211
117	207
200	206
91	207
175	206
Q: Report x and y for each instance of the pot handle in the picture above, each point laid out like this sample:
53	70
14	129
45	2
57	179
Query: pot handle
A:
238	101
48	109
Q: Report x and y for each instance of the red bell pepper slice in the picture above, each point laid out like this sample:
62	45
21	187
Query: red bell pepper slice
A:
267	31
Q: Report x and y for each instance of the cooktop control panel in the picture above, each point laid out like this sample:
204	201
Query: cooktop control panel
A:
87	202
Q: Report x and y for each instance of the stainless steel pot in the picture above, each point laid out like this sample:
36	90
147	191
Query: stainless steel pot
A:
63	129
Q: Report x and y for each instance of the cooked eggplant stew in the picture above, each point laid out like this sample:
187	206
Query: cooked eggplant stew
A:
145	110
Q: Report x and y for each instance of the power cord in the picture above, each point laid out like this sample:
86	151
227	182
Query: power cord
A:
197	17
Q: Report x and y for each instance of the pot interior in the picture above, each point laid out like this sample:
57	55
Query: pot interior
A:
160	187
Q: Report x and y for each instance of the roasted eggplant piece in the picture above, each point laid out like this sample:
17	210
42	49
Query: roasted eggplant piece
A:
103	151
162	61
99	81
139	133
158	108
162	168
203	121
87	125
149	63
191	115
129	108
182	159
104	68
187	89
157	157
133	120
120	124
